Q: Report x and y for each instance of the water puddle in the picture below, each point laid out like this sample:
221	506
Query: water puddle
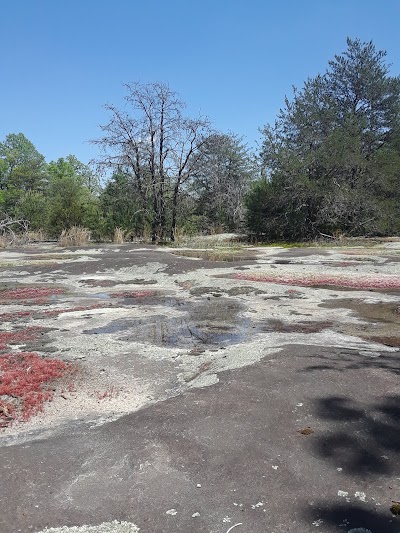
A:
383	318
211	323
277	326
207	323
101	296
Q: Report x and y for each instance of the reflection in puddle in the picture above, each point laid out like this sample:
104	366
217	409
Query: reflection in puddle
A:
214	322
178	332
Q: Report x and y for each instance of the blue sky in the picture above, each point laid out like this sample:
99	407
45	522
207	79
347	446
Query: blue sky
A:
231	60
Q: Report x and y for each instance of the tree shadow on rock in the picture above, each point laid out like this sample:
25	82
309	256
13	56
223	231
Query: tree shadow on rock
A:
363	438
342	360
342	517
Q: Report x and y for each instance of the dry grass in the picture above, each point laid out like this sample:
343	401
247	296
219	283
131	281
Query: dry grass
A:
118	236
75	236
36	236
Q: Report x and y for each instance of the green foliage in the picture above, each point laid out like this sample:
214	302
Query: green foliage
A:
34	207
121	206
22	166
331	160
70	201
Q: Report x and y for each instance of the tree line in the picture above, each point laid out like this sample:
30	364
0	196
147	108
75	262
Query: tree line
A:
328	165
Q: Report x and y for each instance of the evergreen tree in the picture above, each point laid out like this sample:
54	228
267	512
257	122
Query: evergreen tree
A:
331	158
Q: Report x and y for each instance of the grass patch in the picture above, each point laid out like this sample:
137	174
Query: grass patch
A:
75	236
119	235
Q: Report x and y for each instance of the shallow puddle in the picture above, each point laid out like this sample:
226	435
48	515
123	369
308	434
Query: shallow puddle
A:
384	318
213	322
295	327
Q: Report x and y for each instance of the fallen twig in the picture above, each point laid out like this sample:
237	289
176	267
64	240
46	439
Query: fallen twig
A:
230	529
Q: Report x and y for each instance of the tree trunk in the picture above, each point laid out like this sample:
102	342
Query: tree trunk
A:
174	211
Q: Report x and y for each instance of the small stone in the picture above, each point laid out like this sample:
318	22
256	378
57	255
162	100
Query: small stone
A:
306	431
395	508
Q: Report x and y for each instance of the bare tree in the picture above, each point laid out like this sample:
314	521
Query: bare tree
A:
153	143
9	228
222	179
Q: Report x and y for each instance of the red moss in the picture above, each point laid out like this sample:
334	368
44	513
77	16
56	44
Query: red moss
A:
312	280
29	293
133	294
15	337
24	384
11	317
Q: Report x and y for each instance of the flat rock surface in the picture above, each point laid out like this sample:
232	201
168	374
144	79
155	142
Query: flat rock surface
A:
204	401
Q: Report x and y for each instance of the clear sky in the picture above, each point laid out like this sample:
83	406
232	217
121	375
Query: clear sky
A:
232	60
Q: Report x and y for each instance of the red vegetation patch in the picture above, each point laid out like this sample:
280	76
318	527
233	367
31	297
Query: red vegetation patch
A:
133	294
312	280
56	312
10	317
24	384
15	337
29	293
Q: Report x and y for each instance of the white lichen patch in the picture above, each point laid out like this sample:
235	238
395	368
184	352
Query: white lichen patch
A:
318	523
256	505
106	527
361	496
